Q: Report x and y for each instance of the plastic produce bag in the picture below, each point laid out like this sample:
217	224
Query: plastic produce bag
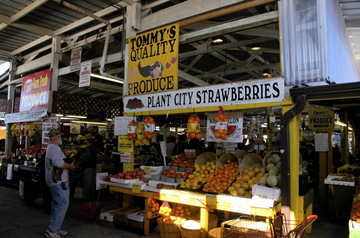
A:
149	127
221	124
131	135
193	127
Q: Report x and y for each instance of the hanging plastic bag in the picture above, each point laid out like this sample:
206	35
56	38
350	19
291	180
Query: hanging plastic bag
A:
165	209
221	124
149	127
193	127
131	135
140	135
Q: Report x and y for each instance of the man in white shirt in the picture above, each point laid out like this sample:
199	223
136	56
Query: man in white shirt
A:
57	179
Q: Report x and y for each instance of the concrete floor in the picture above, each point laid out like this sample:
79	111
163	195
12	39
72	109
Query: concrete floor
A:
18	220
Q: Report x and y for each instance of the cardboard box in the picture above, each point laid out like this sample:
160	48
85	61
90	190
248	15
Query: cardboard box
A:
121	214
107	216
266	192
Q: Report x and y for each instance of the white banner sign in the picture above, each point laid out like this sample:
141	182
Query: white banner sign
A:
85	74
244	92
235	127
75	60
25	116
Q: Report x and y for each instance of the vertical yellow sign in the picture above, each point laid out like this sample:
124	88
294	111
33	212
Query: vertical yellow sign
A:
153	61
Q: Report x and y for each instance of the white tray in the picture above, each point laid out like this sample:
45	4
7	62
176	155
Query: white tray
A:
124	181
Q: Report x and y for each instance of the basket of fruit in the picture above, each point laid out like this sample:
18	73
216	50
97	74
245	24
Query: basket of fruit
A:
226	159
251	160
205	157
168	228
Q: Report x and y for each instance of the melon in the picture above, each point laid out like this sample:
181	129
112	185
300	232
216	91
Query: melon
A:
270	166
278	165
275	158
272	180
263	181
274	171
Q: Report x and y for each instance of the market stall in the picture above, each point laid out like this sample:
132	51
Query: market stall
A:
218	119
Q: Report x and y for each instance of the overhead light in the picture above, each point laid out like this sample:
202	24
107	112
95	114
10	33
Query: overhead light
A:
340	123
109	119
255	47
267	73
59	115
106	78
91	122
75	116
218	40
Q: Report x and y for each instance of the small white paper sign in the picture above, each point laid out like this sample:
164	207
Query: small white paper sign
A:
85	74
125	157
100	177
321	142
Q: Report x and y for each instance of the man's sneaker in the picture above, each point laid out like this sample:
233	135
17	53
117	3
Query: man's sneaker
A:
62	233
49	234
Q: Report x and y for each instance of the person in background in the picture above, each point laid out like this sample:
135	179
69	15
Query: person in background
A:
57	178
170	145
89	164
180	147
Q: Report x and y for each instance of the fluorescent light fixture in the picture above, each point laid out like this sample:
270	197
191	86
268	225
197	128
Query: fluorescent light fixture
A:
68	118
256	47
2	118
109	119
75	116
59	115
106	78
218	40
340	123
91	122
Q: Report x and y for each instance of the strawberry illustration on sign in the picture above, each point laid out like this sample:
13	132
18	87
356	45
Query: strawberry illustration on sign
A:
134	104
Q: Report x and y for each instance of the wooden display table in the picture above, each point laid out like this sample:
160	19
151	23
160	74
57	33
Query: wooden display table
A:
225	203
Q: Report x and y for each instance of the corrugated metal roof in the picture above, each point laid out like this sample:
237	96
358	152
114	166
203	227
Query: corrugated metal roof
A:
28	26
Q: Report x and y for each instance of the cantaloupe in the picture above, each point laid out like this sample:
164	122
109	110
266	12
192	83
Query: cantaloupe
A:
272	180
275	158
274	171
269	166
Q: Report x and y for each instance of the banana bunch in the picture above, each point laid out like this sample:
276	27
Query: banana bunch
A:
31	130
140	135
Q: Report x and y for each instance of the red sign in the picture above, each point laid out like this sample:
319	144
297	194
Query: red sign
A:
35	91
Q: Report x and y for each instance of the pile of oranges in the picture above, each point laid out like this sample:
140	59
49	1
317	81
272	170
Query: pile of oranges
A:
219	180
244	182
180	211
197	178
153	205
174	215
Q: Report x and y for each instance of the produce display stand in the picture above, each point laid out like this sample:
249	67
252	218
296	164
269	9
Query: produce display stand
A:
226	203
